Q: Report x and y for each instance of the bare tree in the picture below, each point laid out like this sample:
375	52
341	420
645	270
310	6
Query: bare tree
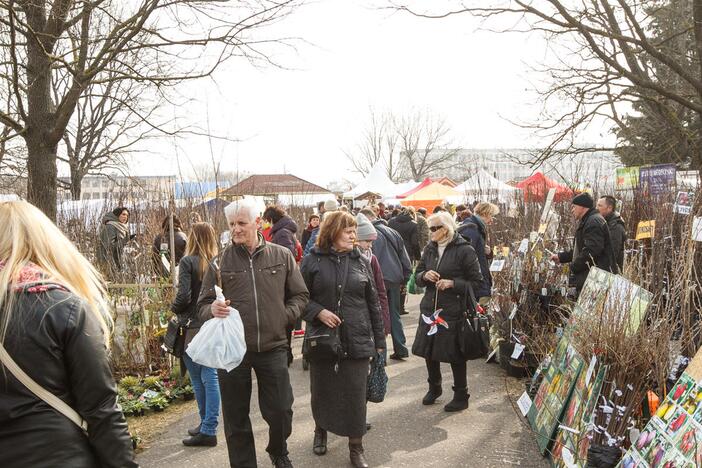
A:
610	57
378	145
175	40
112	120
424	144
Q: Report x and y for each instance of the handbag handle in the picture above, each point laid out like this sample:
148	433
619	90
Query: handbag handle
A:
39	391
471	302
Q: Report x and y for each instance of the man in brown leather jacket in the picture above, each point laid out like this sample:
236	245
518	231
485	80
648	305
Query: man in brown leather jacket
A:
262	281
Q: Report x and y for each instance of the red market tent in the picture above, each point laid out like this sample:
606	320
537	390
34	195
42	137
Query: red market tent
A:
419	187
536	188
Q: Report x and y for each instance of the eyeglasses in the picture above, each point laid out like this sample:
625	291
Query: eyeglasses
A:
435	228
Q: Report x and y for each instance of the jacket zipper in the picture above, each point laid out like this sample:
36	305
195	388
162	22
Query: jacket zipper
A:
255	293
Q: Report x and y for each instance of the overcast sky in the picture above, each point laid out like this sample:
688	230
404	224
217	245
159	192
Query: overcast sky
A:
302	120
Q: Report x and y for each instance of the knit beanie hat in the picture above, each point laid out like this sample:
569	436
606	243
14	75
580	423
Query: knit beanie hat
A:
583	199
365	229
331	205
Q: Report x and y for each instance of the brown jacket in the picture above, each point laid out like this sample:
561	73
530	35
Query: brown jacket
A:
266	288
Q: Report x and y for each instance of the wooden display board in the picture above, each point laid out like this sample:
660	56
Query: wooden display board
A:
554	393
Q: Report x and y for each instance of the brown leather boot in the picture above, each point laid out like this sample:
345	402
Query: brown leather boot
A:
358	460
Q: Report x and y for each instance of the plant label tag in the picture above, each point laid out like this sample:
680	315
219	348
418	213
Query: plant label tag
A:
544	292
590	370
697	228
497	265
518	349
568	458
524	403
514	312
523	246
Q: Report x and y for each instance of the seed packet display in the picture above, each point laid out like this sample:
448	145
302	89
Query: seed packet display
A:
574	432
554	393
673	436
633	460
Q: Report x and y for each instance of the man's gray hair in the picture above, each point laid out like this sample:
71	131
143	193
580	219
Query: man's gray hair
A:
368	213
248	206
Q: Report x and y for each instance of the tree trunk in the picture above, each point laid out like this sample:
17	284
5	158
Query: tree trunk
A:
696	162
41	174
41	143
76	181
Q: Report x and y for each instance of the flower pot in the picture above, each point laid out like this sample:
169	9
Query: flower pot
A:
188	396
505	350
517	369
602	456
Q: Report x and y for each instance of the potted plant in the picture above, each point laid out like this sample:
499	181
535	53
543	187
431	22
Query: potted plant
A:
158	403
187	392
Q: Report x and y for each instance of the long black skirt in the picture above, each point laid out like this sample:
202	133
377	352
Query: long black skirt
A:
339	398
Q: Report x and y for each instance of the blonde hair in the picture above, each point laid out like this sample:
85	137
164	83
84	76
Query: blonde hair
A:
202	242
334	223
484	209
445	219
27	235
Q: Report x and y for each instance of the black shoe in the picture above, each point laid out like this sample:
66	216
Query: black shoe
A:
404	312
459	402
433	393
398	357
369	426
200	440
358	459
194	431
282	462
319	445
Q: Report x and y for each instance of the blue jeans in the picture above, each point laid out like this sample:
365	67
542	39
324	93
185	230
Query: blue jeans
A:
396	330
206	388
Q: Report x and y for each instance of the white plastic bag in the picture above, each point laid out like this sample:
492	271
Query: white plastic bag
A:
220	343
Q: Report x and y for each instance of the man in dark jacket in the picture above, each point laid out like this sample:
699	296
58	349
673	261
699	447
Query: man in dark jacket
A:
473	230
397	268
422	229
592	244
283	229
405	224
262	281
617	231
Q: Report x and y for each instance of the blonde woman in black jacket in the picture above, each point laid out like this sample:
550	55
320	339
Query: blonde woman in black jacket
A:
55	325
200	250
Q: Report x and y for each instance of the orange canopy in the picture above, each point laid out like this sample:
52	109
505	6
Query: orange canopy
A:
432	195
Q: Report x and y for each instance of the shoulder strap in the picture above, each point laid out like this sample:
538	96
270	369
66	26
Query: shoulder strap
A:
43	394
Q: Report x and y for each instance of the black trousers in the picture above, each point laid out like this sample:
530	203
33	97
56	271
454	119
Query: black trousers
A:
460	377
275	399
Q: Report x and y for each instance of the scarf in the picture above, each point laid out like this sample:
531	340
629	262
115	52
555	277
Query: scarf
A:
33	279
122	228
442	246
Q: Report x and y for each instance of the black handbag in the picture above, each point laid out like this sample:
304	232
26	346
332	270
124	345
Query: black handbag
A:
377	380
174	339
323	344
475	333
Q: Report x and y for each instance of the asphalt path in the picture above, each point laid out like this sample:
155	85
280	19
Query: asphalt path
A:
490	433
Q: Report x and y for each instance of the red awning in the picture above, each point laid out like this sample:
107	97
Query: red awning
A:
536	188
419	187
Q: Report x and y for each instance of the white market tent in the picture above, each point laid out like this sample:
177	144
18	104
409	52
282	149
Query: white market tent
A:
483	185
377	181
